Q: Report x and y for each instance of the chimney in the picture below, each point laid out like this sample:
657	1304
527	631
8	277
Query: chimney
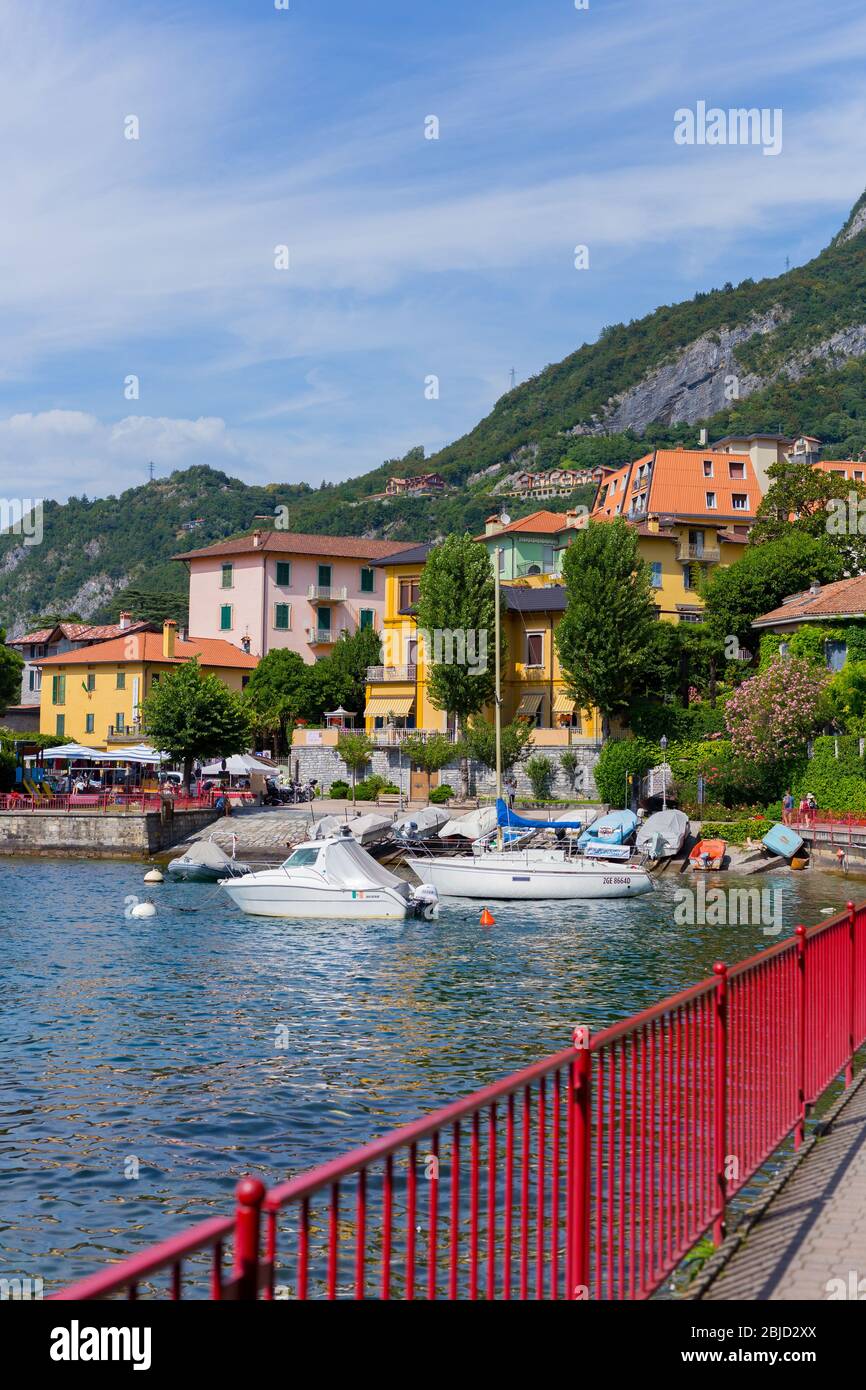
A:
574	518
703	439
125	620
492	524
814	587
169	631
245	645
258	537
652	525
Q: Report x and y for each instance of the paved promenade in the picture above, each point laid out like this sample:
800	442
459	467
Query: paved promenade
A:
814	1230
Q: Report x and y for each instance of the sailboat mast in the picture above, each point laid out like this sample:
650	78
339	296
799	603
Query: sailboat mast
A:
497	707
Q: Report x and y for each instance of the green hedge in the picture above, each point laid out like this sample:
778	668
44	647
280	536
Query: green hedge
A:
838	784
735	832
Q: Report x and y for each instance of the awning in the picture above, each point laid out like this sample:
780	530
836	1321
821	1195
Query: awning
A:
530	704
380	706
563	704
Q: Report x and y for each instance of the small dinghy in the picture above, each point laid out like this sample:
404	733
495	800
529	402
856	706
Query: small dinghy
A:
205	862
662	834
471	826
708	854
783	839
332	878
417	827
607	838
367	830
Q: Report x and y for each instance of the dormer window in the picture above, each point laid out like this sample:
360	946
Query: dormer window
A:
708	468
740	501
711	501
737	470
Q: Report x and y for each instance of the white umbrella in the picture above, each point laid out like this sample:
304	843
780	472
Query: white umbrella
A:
238	765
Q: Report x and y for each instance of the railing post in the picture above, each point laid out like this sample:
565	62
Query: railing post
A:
250	1193
580	1133
852	991
800	1129
720	1156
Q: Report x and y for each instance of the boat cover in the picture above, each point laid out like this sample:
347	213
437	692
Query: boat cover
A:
348	865
663	833
506	816
612	829
471	826
207	853
417	823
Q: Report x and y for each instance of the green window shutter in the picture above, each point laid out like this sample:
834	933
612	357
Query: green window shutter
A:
58	690
61	724
282	613
284	574
368	580
226	617
324	576
88	724
367	616
121	680
228	576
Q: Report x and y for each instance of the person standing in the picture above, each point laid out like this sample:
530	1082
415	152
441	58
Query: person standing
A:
787	808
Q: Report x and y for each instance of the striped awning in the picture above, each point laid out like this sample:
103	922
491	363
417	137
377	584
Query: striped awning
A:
530	704
380	706
563	704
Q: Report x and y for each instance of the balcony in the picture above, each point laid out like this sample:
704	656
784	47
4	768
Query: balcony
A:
131	733
699	553
327	593
323	636
377	674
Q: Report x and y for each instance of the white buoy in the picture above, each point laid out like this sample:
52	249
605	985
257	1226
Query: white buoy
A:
143	910
154	876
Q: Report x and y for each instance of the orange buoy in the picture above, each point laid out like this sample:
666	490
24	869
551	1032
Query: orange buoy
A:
487	919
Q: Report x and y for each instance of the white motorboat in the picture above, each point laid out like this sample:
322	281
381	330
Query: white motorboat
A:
370	829
418	827
529	874
470	826
332	878
662	834
206	862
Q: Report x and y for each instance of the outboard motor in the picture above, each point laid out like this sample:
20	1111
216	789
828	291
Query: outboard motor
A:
425	900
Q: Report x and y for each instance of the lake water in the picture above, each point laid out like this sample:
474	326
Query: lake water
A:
151	1045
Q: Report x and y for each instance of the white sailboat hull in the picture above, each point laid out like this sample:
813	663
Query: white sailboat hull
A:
519	877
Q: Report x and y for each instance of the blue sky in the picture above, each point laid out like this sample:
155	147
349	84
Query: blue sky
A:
408	257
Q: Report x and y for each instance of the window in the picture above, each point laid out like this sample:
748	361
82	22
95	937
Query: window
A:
282	616
835	654
226	617
35	680
368	580
502	561
60	724
323	619
858	475
708	468
154	680
324	580
656	574
121	681
740	501
535	648
688	577
245	680
737	470
91	681
367	618
284	574
58	690
711	501
228	576
120	722
88	723
410	590
547	559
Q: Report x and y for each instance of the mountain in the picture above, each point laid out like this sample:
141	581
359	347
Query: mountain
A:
787	353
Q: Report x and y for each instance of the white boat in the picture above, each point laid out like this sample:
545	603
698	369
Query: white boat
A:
370	829
471	826
662	834
332	878
417	827
206	862
529	874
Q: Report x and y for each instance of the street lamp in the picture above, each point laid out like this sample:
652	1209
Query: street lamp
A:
663	743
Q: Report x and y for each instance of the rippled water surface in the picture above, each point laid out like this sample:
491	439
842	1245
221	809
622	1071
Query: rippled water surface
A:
156	1040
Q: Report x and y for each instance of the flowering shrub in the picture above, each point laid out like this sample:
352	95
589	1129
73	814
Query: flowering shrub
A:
771	716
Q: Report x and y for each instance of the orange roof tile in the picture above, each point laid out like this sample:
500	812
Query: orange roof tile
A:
540	523
297	543
147	646
678	486
80	632
844	599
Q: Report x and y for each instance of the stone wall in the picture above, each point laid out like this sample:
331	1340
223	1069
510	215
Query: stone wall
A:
327	766
97	834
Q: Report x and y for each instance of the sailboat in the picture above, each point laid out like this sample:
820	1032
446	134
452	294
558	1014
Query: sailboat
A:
505	865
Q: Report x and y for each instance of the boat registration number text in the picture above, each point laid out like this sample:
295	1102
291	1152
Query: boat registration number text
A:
616	878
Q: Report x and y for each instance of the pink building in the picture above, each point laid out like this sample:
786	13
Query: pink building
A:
281	589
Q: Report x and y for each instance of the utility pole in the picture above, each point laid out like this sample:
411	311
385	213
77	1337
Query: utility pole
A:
497	708
151	468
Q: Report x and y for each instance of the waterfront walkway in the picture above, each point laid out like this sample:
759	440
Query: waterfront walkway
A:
814	1229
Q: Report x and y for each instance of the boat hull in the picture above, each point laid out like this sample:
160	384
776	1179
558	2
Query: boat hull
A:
528	882
314	903
202	873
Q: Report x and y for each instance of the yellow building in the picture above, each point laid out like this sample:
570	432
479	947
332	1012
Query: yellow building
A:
397	690
532	681
93	695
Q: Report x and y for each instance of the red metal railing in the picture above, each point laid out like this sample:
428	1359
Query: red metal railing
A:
114	801
587	1175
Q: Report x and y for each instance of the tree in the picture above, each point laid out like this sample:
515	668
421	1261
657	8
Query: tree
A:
806	500
456	617
348	665
762	577
276	692
11	666
772	715
540	772
609	621
428	754
191	714
479	741
621	760
356	750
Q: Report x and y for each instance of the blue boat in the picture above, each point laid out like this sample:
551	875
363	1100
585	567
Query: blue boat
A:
783	839
613	829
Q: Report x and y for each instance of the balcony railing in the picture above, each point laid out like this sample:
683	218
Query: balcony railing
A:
377	674
699	553
326	593
393	735
130	733
323	636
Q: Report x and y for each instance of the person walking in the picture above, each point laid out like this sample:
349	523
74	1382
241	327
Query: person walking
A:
787	808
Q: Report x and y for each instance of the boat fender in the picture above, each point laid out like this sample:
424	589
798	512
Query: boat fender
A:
143	910
154	876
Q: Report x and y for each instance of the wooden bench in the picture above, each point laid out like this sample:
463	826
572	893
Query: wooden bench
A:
389	799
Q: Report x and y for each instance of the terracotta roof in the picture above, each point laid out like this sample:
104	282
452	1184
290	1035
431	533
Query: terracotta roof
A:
679	487
841	465
80	632
541	523
844	599
296	543
147	646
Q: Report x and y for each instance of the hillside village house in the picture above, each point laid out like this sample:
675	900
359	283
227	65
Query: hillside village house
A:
529	549
282	589
93	695
556	482
51	641
834	605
